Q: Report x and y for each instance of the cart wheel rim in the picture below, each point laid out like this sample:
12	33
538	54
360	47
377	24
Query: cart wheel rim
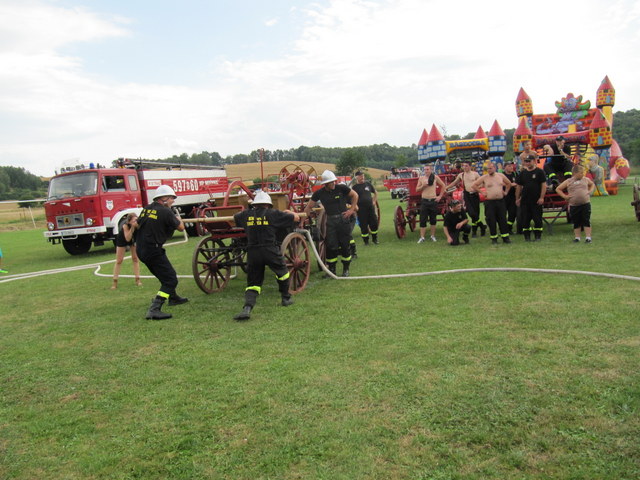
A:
211	265
298	259
399	221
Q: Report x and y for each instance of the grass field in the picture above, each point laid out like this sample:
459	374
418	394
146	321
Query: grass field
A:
456	376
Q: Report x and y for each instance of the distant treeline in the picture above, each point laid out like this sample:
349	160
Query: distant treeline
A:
18	184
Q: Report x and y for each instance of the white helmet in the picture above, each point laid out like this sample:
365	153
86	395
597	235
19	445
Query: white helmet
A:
164	191
327	177
262	198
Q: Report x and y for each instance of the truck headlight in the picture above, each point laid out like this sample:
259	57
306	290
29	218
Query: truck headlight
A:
50	226
89	222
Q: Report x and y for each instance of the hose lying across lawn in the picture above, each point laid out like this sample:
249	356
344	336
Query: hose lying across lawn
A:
307	234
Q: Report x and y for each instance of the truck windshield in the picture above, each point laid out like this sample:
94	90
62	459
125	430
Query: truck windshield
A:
74	185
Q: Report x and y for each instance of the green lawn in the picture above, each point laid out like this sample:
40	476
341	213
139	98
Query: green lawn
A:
456	376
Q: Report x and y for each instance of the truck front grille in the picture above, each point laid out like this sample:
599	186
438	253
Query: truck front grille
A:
68	221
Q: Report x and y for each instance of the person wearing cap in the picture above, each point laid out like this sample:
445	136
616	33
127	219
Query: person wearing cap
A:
470	196
427	186
559	165
156	225
335	198
510	196
497	186
367	200
262	225
531	186
455	223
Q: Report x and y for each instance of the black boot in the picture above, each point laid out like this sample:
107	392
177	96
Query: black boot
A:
538	235
332	268
527	236
374	237
366	240
245	314
345	269
175	299
465	238
483	229
283	287
474	231
154	312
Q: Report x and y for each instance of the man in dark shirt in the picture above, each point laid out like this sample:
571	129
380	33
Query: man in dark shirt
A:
510	197
261	224
367	200
334	198
456	222
156	224
530	190
558	166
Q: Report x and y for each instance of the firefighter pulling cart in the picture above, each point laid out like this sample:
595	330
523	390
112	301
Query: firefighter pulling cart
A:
223	250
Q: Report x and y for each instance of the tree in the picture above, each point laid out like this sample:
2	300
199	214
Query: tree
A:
349	161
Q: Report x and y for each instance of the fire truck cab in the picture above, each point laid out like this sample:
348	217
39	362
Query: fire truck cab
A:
84	207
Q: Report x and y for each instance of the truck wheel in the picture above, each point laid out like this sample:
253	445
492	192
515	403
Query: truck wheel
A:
77	246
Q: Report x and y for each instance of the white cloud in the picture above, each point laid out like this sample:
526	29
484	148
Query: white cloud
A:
361	72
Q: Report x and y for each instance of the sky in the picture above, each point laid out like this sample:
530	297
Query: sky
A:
95	80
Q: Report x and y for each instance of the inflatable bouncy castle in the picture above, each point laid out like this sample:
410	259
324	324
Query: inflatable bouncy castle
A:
587	130
445	154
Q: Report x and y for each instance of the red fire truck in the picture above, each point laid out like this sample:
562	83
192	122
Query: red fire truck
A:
84	206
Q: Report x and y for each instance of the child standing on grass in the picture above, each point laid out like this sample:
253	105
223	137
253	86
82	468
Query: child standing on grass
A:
2	270
577	191
124	239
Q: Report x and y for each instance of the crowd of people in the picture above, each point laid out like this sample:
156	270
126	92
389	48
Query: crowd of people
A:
511	198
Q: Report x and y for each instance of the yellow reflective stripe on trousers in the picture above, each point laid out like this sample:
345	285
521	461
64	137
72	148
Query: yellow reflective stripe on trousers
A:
254	288
162	294
284	277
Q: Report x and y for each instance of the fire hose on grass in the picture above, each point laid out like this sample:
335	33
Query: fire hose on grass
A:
307	235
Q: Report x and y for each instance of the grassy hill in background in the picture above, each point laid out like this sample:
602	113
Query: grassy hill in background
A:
250	171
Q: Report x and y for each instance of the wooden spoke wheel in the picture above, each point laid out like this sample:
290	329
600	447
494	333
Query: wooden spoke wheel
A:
400	222
297	181
201	228
211	265
412	220
298	258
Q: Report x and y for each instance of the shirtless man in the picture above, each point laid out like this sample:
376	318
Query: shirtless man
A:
495	211
528	153
471	197
429	204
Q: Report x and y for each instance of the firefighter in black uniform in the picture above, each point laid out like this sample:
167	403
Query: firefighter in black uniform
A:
156	224
558	167
510	197
367	217
334	199
261	224
530	190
